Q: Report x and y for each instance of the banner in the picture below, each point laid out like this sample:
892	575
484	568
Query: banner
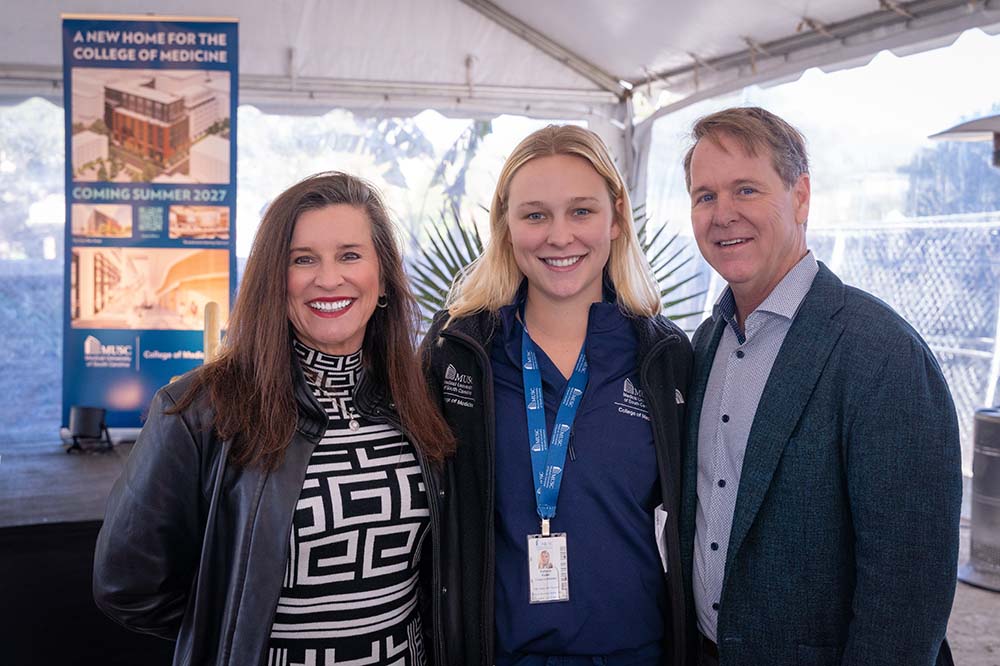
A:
150	202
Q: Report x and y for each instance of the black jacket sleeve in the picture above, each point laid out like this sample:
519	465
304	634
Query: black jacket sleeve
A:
148	547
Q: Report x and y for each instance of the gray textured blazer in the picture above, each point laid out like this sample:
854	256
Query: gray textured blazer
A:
844	542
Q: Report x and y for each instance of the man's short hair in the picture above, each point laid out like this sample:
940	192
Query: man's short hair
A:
754	129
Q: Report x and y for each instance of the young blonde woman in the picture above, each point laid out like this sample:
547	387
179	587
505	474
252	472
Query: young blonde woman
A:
565	387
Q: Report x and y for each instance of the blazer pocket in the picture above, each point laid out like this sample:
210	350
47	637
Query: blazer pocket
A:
812	655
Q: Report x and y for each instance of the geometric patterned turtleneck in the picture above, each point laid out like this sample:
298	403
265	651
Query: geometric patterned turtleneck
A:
349	594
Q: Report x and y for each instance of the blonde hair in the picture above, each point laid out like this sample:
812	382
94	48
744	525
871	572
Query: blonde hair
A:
492	280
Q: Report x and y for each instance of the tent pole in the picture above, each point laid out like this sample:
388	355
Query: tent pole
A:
638	139
612	132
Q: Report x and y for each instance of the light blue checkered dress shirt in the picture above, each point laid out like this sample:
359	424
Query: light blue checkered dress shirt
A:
740	370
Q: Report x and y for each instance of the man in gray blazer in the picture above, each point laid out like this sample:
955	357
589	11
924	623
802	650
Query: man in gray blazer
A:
822	470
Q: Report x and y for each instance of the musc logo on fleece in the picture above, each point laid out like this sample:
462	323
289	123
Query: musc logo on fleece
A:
454	375
457	388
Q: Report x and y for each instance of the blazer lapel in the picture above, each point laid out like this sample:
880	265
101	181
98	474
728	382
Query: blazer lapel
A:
793	377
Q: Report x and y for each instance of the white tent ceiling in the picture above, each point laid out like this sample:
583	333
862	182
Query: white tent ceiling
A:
545	58
483	56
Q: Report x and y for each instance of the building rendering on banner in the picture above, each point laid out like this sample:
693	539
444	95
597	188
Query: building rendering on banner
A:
200	101
96	280
150	122
156	288
88	147
159	116
202	222
101	221
88	98
189	283
210	160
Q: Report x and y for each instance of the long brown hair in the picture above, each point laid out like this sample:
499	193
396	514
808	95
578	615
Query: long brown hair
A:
250	385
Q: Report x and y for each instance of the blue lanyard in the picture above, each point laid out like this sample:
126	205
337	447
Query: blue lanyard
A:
548	455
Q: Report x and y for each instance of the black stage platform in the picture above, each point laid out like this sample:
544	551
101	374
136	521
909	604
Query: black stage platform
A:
41	483
51	507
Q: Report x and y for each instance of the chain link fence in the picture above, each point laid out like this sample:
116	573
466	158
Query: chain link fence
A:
942	274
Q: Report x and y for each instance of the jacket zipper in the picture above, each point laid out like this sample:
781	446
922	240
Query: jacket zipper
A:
432	502
673	564
486	627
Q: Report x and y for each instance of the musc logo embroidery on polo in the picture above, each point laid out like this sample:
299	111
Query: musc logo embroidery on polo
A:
633	402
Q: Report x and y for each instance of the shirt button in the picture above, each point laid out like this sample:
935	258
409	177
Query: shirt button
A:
444	591
715	606
722	484
739	353
725	418
714	546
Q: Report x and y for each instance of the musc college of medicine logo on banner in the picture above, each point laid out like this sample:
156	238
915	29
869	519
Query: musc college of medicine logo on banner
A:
150	202
97	355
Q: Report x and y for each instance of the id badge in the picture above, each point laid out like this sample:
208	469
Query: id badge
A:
548	570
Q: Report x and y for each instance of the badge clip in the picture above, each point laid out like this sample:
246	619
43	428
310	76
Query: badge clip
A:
545	527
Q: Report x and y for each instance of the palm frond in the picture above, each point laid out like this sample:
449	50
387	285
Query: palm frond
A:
448	247
666	264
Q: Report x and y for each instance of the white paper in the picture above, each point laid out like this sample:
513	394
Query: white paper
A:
660	522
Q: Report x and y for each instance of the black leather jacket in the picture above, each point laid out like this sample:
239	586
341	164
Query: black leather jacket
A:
193	549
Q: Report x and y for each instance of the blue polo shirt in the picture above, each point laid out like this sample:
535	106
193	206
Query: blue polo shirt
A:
617	594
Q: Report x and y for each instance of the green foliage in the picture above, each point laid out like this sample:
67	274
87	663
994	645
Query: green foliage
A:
452	245
219	127
668	256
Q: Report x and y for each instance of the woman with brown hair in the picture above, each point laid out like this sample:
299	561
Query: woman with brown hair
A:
277	504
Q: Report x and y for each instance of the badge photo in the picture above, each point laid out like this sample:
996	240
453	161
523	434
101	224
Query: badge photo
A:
548	571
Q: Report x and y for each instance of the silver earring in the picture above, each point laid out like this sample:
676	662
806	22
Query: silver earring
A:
383	301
